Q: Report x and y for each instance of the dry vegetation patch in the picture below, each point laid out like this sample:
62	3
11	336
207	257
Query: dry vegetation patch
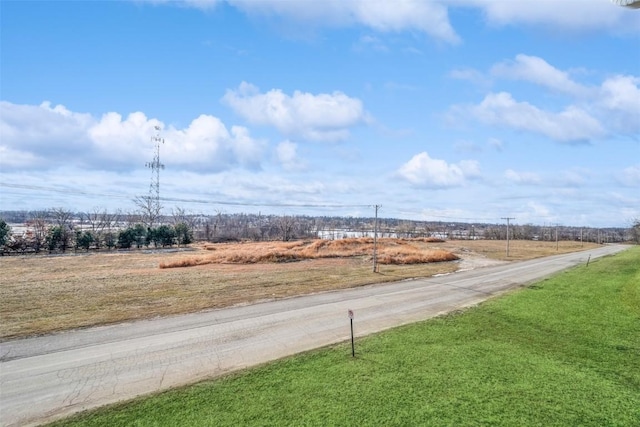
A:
390	251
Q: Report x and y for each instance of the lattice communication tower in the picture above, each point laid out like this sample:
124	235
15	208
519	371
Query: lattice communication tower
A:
155	166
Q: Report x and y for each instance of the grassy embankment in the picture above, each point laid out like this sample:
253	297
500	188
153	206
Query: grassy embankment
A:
565	351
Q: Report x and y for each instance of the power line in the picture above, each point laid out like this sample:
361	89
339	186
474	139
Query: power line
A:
74	191
63	190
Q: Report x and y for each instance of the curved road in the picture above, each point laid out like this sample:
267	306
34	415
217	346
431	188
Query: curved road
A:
48	377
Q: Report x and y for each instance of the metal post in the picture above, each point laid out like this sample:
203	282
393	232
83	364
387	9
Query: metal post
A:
375	241
353	347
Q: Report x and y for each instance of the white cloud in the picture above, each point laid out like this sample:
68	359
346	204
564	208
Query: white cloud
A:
471	75
62	137
573	15
574	178
43	127
198	4
619	96
528	178
595	110
322	117
431	17
538	71
496	144
17	159
248	151
621	93
401	15
207	144
121	140
538	211
423	171
617	99
570	125
630	176
370	43
287	155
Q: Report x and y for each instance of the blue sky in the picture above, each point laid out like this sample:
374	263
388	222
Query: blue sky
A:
461	110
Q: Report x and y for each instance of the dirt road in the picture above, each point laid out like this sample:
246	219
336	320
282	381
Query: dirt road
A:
49	377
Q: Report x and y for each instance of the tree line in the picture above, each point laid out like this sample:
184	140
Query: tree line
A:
61	230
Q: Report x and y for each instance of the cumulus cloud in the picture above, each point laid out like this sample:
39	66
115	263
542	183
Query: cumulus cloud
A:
570	125
432	18
120	140
42	127
423	171
17	159
584	15
529	178
427	17
287	154
37	136
322	117
619	98
593	111
538	71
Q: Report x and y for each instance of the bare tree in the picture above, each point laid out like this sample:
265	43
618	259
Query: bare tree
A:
286	225
635	231
63	218
217	222
38	229
149	210
181	215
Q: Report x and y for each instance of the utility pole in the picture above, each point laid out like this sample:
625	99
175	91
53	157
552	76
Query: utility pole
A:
507	218
556	237
375	240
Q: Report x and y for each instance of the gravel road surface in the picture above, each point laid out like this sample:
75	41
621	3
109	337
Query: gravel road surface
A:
49	377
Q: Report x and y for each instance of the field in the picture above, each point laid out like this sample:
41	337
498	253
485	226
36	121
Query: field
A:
45	294
562	352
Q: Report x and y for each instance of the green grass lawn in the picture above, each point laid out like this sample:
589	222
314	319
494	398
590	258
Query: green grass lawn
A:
565	352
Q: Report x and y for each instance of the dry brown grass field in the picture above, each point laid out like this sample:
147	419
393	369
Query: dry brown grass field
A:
43	294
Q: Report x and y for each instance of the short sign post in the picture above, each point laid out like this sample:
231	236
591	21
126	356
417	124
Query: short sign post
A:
353	348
